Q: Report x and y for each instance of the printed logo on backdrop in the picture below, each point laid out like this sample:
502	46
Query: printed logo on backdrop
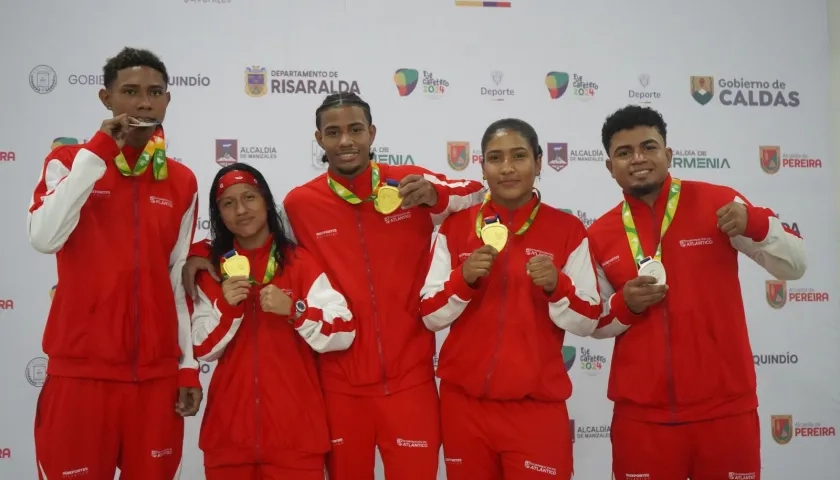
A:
497	92
477	3
644	96
98	80
43	79
557	84
383	154
202	228
784	429
6	304
317	156
772	160
591	363
260	81
569	354
7	156
5	453
786	358
459	157
792	226
229	151
778	294
698	159
558	155
743	93
432	86
588	432
584	218
583	88
36	371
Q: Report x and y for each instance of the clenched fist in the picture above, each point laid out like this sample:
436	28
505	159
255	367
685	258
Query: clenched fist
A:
274	300
479	264
235	289
543	272
642	292
732	219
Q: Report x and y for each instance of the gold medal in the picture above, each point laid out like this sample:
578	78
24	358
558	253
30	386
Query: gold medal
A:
236	265
495	234
387	198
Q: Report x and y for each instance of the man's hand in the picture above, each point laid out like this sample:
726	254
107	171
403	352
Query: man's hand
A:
274	300
190	270
117	128
732	219
478	264
642	292
189	400
543	272
416	190
235	290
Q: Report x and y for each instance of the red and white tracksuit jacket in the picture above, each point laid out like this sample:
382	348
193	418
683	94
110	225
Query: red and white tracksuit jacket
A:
119	312
265	397
687	358
377	261
507	334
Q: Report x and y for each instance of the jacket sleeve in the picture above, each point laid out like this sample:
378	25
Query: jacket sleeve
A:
575	304
453	195
768	243
200	249
445	294
214	322
326	324
616	318
63	189
188	365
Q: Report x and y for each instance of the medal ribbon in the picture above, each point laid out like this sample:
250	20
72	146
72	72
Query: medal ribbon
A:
524	228
633	234
270	268
154	153
351	197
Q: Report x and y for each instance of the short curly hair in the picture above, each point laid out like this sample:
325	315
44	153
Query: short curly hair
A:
628	118
132	57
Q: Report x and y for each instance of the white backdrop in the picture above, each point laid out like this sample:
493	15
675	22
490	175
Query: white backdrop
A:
646	52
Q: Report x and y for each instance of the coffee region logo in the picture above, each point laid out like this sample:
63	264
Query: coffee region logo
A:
432	86
741	92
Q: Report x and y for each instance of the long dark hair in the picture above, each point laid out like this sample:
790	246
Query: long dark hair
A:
222	239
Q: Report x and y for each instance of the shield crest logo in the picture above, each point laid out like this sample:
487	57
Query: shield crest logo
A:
702	89
227	151
256	81
558	155
644	80
458	155
771	158
569	354
782	428
776	293
497	77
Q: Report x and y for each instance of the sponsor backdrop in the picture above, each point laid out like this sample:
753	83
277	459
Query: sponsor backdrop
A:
747	108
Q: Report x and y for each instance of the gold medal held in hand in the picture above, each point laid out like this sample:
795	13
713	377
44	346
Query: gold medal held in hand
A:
387	198
494	233
236	265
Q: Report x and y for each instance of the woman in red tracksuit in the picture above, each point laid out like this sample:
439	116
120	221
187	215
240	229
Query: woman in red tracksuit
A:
265	416
509	302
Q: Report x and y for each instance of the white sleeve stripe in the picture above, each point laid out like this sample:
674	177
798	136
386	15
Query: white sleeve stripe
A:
614	328
457	200
439	273
578	268
333	306
50	225
177	261
205	320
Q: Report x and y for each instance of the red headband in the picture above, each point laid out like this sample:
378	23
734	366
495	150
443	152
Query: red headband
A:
232	178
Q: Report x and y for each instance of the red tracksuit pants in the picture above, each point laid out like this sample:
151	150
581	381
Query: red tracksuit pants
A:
87	429
293	466
720	449
405	426
510	440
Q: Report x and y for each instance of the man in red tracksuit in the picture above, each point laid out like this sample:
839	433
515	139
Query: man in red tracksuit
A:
119	217
380	392
682	378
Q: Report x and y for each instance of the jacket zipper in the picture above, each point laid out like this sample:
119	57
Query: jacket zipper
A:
135	187
257	430
669	369
501	323
376	322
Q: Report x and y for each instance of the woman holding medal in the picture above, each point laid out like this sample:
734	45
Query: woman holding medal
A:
265	416
510	276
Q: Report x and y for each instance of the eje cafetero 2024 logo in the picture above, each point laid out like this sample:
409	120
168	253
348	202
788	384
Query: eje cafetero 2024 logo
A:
742	92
